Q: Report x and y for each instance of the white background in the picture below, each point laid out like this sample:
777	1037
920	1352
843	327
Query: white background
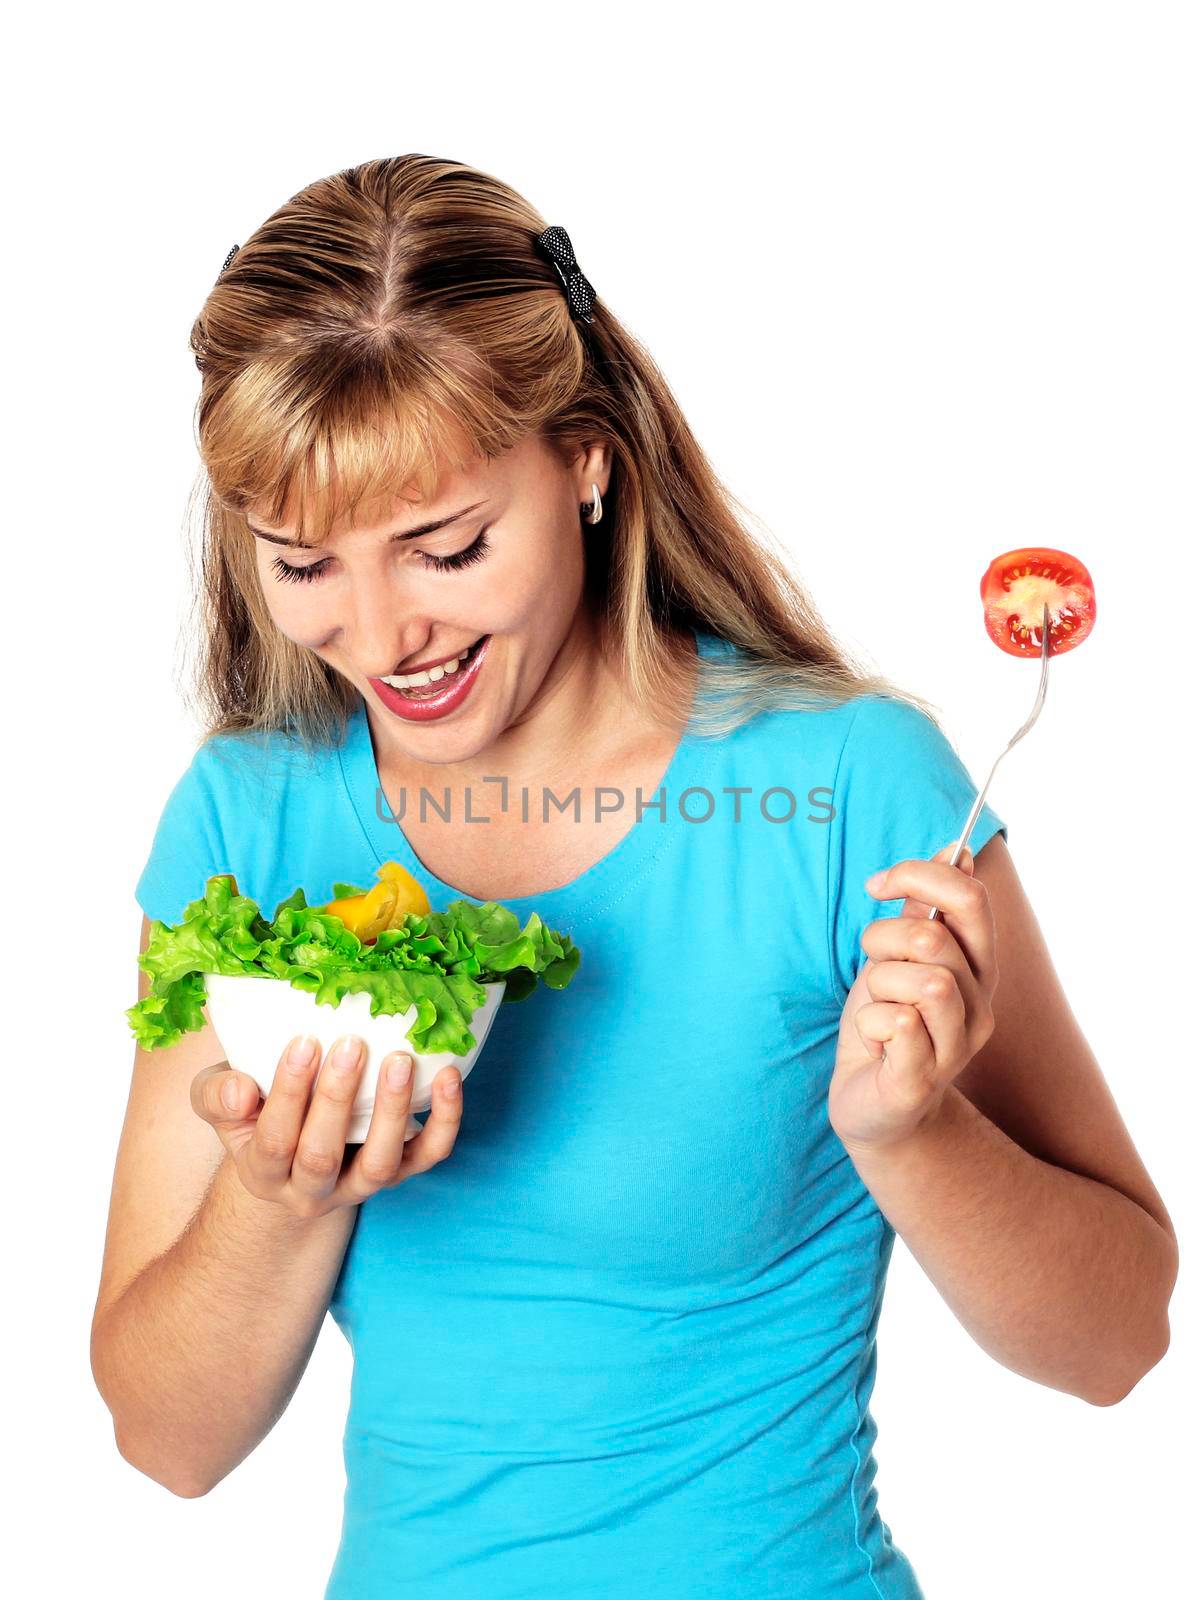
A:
926	281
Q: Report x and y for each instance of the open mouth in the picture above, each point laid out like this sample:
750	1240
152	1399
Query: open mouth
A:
439	679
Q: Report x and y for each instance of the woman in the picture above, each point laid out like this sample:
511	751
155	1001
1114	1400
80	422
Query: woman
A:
619	1335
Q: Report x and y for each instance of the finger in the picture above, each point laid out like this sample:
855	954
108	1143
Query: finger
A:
925	883
223	1097
273	1142
942	858
377	1164
438	1136
927	944
961	898
935	993
896	1035
972	919
322	1146
913	939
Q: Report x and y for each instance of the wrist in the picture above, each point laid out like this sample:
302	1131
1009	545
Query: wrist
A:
272	1219
933	1130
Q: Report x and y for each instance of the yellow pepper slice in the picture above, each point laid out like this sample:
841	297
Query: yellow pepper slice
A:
366	914
411	897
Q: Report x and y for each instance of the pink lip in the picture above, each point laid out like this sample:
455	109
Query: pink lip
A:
459	685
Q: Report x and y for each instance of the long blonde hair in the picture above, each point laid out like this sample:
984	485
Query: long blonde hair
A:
387	320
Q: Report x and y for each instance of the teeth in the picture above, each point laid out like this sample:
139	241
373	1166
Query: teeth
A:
419	680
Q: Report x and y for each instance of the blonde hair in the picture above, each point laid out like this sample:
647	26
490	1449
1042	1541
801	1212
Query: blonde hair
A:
394	317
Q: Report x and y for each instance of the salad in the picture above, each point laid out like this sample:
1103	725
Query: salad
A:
385	939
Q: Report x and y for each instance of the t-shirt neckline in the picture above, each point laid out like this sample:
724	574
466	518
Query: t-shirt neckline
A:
584	896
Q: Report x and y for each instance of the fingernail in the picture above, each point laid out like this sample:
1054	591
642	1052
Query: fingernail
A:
346	1055
229	1094
398	1072
300	1051
450	1085
875	881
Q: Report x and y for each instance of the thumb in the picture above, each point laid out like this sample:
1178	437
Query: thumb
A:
223	1096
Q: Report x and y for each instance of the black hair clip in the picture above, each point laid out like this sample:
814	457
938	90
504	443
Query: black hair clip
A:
229	258
557	247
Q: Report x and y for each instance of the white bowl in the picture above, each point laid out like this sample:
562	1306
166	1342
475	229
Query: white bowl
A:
254	1019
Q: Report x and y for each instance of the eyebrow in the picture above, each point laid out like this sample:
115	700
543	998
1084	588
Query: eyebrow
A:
408	533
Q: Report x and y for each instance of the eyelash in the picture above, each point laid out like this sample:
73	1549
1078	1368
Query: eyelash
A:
476	551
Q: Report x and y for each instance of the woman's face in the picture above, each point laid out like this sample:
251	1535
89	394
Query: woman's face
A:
375	603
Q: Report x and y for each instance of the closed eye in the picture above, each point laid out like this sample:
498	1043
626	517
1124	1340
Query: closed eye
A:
476	551
299	574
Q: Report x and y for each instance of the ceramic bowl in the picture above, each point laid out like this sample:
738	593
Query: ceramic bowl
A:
254	1019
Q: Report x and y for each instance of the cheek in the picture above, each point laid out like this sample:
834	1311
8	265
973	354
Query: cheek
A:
299	611
540	578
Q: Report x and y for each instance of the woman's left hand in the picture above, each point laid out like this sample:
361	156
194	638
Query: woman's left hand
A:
920	1008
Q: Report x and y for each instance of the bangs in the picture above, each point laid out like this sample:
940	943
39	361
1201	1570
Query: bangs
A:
292	443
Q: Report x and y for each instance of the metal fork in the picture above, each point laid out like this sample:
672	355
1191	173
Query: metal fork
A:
1015	738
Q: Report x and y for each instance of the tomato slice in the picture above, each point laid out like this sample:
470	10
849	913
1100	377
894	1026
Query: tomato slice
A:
1015	588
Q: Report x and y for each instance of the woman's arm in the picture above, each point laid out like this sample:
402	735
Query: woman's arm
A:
199	1356
1017	1189
210	1298
218	1269
1062	1279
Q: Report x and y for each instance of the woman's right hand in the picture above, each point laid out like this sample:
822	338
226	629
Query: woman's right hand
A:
293	1149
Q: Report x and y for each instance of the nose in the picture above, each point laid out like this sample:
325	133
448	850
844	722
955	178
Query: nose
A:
378	635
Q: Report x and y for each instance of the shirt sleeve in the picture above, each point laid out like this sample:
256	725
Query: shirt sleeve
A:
901	793
187	847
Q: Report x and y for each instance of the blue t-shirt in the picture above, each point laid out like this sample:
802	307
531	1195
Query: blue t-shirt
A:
622	1342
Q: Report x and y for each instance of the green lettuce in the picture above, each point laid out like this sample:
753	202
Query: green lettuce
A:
439	962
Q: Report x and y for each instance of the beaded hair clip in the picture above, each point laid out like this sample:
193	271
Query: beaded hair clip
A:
557	247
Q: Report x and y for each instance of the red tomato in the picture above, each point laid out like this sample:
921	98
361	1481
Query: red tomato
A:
1015	588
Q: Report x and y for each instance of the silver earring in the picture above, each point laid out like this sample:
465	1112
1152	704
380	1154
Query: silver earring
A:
595	511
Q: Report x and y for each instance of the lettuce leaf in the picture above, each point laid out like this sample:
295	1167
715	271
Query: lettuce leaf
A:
438	962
